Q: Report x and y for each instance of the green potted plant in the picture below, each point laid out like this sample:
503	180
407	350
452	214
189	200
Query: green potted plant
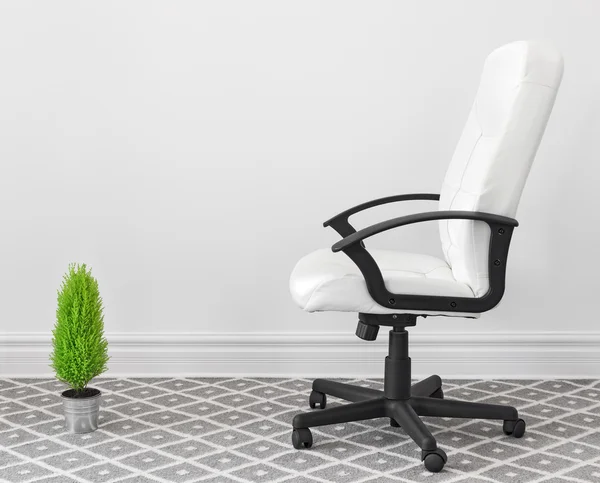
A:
80	350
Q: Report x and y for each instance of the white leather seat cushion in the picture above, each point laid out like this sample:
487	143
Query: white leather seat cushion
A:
327	281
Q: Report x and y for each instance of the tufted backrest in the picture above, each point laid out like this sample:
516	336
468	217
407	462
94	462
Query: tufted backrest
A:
496	149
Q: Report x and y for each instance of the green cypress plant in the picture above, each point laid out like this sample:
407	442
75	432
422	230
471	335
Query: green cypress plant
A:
80	350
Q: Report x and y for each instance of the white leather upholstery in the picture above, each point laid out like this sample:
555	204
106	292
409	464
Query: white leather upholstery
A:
495	152
487	173
327	281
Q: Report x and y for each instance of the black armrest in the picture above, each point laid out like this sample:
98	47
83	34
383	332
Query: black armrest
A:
418	218
340	221
501	228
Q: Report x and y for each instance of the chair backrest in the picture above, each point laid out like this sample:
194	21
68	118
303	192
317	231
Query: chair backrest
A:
496	149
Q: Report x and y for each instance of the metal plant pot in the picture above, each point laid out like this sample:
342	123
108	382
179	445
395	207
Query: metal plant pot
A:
81	413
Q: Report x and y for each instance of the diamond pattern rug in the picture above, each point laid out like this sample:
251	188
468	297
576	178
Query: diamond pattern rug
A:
239	430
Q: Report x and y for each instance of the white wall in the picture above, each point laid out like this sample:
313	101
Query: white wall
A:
189	151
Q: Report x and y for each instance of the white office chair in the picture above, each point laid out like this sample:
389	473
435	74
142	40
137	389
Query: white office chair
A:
478	201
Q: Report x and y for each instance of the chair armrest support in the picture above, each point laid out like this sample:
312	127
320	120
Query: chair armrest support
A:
501	229
340	221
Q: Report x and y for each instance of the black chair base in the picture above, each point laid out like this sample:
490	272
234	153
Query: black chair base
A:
401	403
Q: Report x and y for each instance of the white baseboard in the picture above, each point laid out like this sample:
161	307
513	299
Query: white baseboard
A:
452	355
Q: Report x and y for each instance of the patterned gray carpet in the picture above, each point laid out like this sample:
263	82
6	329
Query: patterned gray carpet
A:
238	430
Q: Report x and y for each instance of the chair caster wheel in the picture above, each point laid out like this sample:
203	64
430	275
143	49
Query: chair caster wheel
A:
434	460
302	438
394	424
438	394
516	429
319	398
